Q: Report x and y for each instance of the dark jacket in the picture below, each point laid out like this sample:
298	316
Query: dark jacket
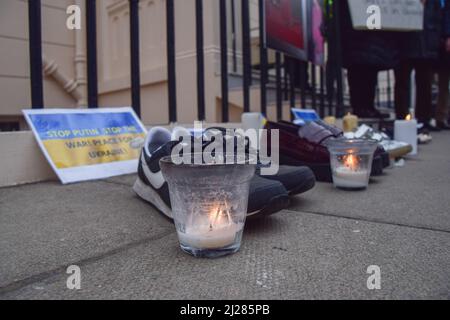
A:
375	49
445	56
425	45
446	20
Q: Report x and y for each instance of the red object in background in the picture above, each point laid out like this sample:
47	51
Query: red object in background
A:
284	27
284	21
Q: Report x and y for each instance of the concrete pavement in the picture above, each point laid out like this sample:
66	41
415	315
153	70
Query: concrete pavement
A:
318	249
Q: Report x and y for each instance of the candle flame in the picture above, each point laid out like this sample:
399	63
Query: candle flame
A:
219	217
352	162
409	117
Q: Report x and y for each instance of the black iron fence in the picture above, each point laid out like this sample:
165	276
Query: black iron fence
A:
322	89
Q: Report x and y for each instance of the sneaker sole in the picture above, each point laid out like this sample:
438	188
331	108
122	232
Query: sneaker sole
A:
146	193
276	204
400	152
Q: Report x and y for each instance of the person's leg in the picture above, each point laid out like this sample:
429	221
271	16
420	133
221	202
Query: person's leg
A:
362	82
424	79
372	81
442	110
402	86
356	79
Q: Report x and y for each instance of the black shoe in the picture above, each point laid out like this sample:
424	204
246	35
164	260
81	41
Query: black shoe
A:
337	133
370	114
266	196
423	130
311	140
296	180
443	125
428	126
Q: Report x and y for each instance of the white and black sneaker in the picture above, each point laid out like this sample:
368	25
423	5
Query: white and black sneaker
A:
265	198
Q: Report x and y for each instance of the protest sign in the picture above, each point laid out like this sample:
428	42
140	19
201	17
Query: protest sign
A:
287	27
88	144
295	28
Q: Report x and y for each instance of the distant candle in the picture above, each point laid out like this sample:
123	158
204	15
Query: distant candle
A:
330	120
406	131
350	122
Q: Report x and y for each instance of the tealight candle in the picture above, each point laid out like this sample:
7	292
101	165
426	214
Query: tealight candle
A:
207	238
212	231
330	120
350	122
406	131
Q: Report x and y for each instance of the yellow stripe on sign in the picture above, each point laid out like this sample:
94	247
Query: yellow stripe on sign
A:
92	150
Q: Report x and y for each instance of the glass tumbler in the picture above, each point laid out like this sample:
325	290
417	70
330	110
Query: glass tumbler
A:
351	162
209	203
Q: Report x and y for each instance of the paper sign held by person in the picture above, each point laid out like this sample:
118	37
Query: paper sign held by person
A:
394	15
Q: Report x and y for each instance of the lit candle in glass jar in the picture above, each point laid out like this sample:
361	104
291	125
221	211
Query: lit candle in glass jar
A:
350	175
351	162
209	203
350	122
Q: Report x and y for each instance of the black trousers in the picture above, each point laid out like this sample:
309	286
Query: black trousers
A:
424	78
362	81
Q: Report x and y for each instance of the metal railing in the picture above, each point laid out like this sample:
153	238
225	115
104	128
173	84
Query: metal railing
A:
325	94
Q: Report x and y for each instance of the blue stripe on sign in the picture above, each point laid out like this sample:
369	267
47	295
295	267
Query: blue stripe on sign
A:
79	125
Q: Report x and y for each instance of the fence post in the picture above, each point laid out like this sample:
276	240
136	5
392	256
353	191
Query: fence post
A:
340	87
135	57
303	78
291	65
233	31
246	52
200	59
322	92
279	88
286	77
171	63
91	30
313	86
35	47
224	59
263	56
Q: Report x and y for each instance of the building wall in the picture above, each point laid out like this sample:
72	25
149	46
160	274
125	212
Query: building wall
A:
65	50
115	66
58	45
